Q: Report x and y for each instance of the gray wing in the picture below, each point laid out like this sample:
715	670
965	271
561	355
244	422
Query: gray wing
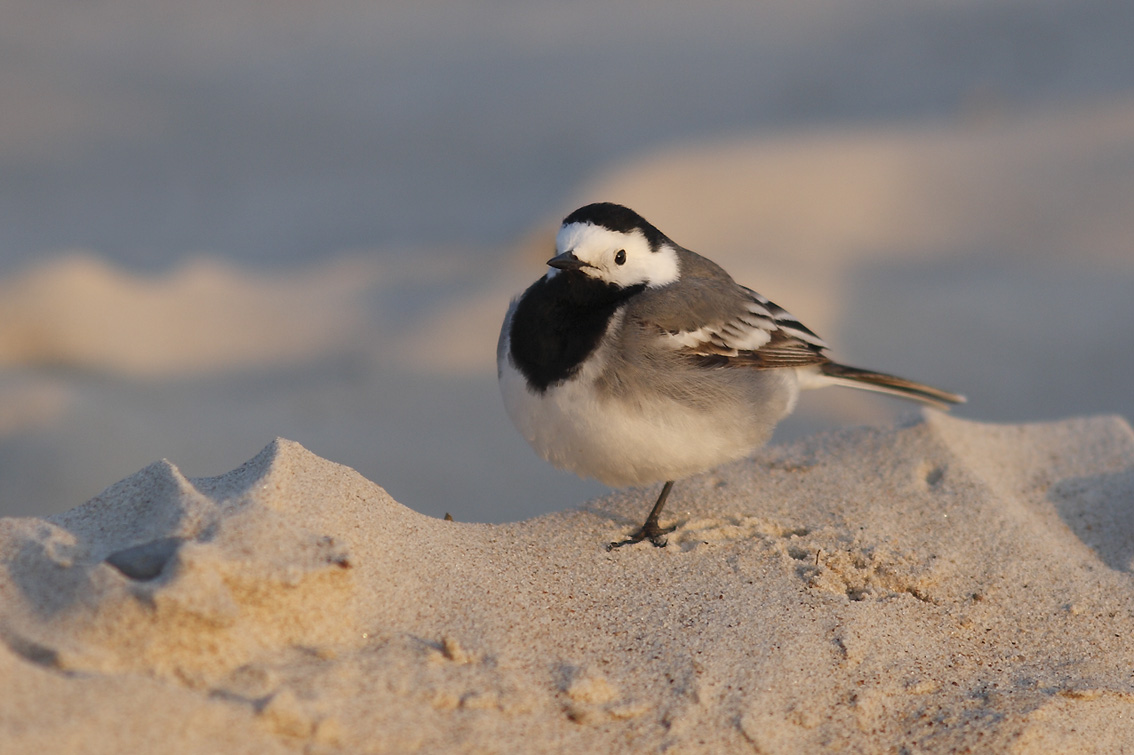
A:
715	321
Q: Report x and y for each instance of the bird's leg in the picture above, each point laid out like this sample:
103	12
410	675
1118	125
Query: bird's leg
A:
651	530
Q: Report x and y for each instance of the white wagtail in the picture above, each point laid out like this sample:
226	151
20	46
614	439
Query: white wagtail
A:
635	361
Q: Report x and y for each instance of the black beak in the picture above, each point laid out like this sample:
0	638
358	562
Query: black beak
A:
566	261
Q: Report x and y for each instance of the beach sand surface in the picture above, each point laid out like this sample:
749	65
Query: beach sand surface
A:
941	585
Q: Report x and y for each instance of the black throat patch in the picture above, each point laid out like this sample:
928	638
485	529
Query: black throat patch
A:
558	323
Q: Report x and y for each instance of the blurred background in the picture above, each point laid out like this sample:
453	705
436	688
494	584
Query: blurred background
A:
222	222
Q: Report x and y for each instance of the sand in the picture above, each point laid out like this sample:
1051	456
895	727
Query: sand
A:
941	585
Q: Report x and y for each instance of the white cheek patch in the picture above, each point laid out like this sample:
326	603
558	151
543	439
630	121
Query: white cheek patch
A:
658	268
598	246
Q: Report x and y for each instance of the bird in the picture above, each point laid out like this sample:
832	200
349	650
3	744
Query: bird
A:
635	361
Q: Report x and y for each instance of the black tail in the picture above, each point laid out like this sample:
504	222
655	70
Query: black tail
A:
853	377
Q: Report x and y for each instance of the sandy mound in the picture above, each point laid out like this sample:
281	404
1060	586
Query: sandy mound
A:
942	585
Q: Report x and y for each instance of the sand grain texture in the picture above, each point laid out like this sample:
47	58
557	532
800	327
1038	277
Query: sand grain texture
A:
940	586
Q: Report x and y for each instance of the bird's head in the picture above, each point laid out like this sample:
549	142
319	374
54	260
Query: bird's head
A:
614	244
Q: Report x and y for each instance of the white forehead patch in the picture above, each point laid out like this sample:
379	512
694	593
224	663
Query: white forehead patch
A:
599	248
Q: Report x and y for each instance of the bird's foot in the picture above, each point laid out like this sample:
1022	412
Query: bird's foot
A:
651	531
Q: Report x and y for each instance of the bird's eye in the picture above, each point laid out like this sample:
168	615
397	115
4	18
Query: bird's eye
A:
620	257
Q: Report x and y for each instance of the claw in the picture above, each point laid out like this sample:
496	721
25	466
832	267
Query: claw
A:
650	531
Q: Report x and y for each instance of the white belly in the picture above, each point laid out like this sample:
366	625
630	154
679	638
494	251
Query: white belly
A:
622	442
